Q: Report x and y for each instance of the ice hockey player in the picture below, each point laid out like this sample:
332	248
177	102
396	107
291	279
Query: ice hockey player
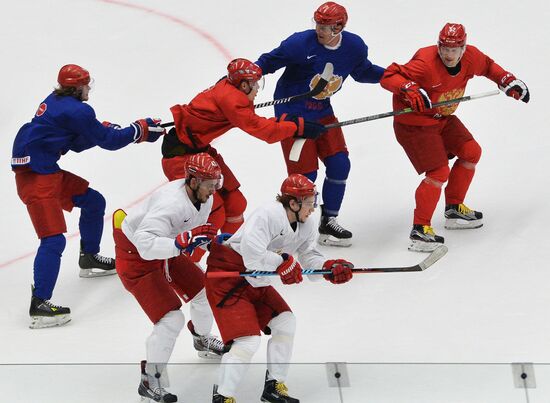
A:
65	122
281	237
153	244
304	55
213	112
431	137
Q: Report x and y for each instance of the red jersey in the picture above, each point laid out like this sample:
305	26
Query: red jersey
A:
219	109
427	69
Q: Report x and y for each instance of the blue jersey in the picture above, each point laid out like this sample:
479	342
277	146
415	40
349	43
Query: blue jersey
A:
304	59
62	124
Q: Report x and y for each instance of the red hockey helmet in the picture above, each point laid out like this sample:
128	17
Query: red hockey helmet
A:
203	166
331	13
452	36
298	186
72	75
243	69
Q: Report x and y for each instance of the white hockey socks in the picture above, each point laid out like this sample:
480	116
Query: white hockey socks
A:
201	314
232	370
160	343
279	346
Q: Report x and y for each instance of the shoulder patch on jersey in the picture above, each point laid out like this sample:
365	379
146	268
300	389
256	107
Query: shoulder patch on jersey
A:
41	109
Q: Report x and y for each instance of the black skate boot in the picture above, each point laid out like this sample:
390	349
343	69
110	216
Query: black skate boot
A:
45	314
217	398
276	392
424	239
331	233
95	265
151	388
208	346
458	216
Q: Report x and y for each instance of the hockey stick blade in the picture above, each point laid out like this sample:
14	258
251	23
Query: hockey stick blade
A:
433	257
409	110
319	87
326	75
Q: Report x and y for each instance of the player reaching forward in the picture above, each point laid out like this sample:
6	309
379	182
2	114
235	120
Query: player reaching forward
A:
64	122
213	112
278	237
431	136
304	55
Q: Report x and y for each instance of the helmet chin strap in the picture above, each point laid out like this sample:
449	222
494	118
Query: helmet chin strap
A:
249	87
296	213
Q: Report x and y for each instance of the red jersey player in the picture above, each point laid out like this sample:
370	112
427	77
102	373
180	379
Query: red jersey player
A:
213	112
431	136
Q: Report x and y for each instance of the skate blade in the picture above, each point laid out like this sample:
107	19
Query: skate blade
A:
421	246
209	355
458	223
329	240
42	322
91	273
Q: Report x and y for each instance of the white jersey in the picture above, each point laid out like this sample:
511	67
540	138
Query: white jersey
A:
266	234
153	225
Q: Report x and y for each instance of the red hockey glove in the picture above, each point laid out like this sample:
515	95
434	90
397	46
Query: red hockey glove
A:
110	125
290	270
147	130
341	271
514	88
189	240
306	129
415	96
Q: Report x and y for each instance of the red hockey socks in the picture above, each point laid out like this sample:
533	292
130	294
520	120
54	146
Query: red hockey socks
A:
462	173
427	195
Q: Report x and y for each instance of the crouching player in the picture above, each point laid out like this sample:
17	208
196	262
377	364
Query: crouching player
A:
153	245
244	307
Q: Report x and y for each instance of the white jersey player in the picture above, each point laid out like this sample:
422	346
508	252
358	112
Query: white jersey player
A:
153	247
244	307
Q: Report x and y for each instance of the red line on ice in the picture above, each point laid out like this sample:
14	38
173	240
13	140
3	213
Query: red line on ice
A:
203	34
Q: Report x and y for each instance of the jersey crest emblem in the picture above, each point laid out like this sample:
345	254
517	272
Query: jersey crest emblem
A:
332	87
452	94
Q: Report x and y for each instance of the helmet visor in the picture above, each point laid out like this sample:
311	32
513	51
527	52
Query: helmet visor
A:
258	84
211	184
311	201
324	28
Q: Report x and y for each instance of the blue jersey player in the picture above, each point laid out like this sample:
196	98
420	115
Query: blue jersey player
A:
64	122
304	55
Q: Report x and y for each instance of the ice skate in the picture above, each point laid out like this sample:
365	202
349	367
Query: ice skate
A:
424	239
333	234
45	314
151	389
276	392
95	265
458	216
207	346
217	398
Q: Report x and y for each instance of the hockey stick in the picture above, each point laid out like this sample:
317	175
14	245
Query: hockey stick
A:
299	143
319	87
433	257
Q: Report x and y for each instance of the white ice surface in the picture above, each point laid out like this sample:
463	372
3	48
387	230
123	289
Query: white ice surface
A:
486	301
